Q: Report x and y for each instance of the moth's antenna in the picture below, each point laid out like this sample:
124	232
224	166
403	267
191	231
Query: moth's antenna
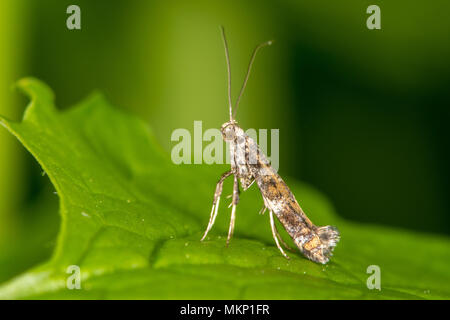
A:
267	43
228	71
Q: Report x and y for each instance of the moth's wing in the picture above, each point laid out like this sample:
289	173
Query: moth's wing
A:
279	197
254	153
316	243
245	150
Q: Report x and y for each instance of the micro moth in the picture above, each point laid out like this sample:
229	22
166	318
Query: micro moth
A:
249	164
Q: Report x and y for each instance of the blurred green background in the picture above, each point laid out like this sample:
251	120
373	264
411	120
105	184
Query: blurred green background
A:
363	114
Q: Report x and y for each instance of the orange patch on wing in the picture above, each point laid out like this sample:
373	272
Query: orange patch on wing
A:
311	244
272	190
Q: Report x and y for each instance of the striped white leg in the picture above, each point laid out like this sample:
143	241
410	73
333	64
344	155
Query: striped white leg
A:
275	237
233	209
281	239
212	217
263	209
215	206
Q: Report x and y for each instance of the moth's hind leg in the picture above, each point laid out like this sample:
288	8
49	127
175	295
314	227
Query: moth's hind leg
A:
284	243
233	209
276	236
263	209
215	206
281	239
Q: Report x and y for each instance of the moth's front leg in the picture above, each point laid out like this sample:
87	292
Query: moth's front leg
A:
215	206
233	209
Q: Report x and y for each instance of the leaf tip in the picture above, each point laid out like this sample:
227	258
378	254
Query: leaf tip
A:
35	89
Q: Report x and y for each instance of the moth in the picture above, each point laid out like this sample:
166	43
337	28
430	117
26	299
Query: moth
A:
249	164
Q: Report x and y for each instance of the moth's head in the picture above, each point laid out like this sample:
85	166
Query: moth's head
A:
229	130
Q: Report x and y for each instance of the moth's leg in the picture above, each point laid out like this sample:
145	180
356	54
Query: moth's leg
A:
263	209
265	206
284	243
233	209
275	237
246	182
215	206
281	239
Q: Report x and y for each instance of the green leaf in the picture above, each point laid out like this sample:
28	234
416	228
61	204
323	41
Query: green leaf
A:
132	221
